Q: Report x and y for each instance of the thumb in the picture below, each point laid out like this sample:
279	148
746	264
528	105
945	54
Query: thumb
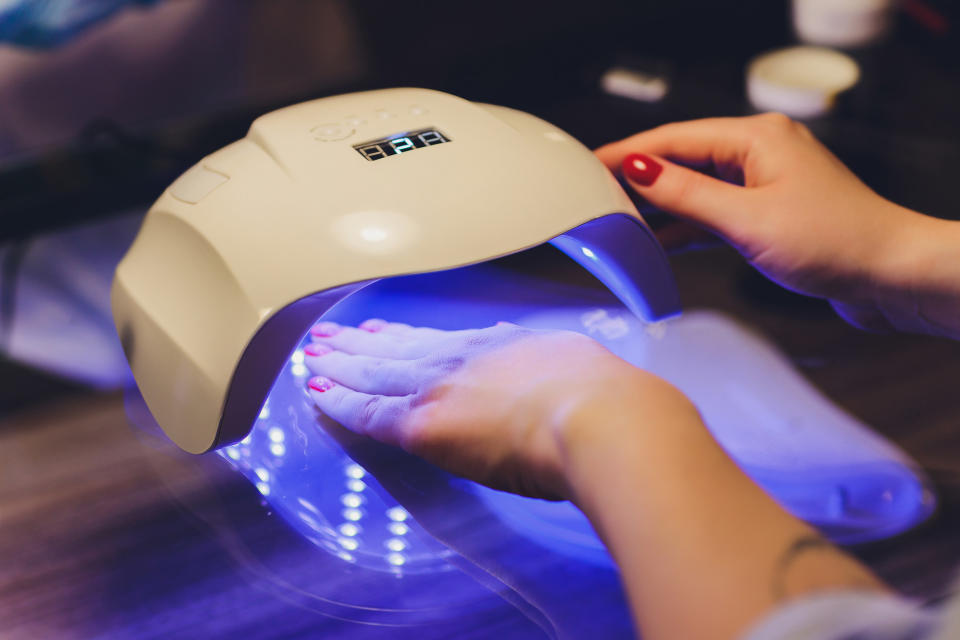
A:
697	197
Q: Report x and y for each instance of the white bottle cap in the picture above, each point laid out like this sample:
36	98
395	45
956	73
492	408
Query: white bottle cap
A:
842	23
802	82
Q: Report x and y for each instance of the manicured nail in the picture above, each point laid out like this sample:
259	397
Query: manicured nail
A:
321	384
641	168
373	325
325	329
314	349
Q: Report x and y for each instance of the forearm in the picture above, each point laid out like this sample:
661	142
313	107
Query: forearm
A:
703	551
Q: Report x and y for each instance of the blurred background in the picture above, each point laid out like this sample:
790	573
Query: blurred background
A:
100	112
103	103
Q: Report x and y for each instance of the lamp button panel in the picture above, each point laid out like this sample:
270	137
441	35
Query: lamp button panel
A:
331	132
196	184
335	131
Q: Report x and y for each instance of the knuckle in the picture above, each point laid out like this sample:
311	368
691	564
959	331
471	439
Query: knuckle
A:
685	188
802	129
447	363
478	339
368	411
484	339
413	436
374	370
777	120
412	432
574	342
422	402
407	350
575	337
508	331
668	129
338	403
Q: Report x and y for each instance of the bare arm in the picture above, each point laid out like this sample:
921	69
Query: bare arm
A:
704	552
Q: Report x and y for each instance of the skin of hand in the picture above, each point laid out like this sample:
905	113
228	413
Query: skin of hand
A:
800	217
487	404
553	414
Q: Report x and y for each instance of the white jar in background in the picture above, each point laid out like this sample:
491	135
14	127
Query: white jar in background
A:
842	23
802	82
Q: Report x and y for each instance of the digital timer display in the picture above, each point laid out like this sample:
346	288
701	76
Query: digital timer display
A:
400	143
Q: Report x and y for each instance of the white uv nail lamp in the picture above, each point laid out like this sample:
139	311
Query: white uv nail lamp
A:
248	248
398	203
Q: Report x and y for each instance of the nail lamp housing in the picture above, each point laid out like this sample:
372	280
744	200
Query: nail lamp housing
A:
247	249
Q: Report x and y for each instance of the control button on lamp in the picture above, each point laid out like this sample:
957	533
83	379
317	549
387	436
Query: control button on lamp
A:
330	132
196	184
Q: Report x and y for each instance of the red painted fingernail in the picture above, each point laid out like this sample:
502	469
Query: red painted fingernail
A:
317	349
373	325
641	169
325	329
320	384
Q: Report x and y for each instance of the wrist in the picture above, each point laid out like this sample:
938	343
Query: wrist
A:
633	412
917	283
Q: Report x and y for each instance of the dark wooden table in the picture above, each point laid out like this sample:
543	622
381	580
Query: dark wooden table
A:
95	541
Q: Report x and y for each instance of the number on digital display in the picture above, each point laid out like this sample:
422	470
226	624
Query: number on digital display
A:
372	152
398	143
432	137
402	144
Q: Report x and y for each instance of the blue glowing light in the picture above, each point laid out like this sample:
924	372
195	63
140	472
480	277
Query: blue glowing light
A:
330	499
623	254
819	462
